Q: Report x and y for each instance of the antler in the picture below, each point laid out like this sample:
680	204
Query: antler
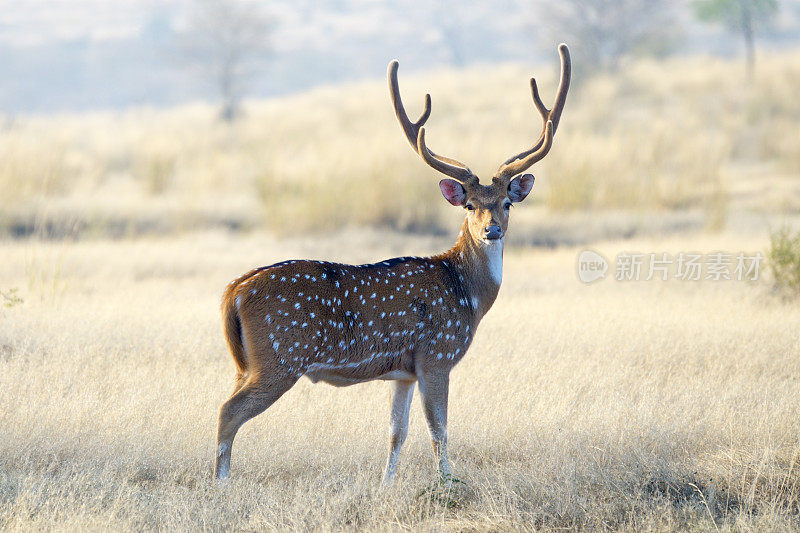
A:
415	133
550	117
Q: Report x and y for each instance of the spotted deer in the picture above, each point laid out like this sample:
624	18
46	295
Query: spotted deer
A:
408	320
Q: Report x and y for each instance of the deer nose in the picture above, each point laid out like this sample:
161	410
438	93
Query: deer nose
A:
493	232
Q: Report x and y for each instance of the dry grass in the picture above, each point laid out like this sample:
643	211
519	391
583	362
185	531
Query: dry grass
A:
658	136
638	406
649	406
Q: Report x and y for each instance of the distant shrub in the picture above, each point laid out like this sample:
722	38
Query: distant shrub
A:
156	172
10	298
369	197
784	259
29	169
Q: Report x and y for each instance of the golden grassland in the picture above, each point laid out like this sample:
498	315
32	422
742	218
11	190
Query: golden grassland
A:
626	406
657	137
620	406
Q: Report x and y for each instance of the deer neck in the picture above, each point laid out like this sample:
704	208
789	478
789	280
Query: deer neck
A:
480	269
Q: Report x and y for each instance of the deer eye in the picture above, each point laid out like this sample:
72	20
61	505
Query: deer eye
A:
470	207
507	205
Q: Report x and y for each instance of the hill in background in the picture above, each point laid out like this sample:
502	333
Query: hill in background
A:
662	146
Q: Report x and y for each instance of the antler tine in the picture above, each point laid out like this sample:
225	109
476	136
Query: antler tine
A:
415	132
537	100
442	164
411	129
550	117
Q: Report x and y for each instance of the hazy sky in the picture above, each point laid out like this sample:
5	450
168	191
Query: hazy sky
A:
95	54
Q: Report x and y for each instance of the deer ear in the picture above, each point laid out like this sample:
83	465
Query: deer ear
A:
453	191
519	187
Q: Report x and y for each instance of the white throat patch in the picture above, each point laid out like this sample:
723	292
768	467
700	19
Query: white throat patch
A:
494	252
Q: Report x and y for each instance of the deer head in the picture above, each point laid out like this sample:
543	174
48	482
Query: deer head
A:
487	206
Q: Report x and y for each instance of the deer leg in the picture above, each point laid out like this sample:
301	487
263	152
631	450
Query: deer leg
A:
240	381
434	388
251	399
402	392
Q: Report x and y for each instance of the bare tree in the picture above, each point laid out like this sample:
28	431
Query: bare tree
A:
603	31
227	40
742	17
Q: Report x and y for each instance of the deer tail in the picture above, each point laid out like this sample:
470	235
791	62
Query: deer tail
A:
233	332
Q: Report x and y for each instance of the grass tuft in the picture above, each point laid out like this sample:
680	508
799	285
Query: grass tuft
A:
784	260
